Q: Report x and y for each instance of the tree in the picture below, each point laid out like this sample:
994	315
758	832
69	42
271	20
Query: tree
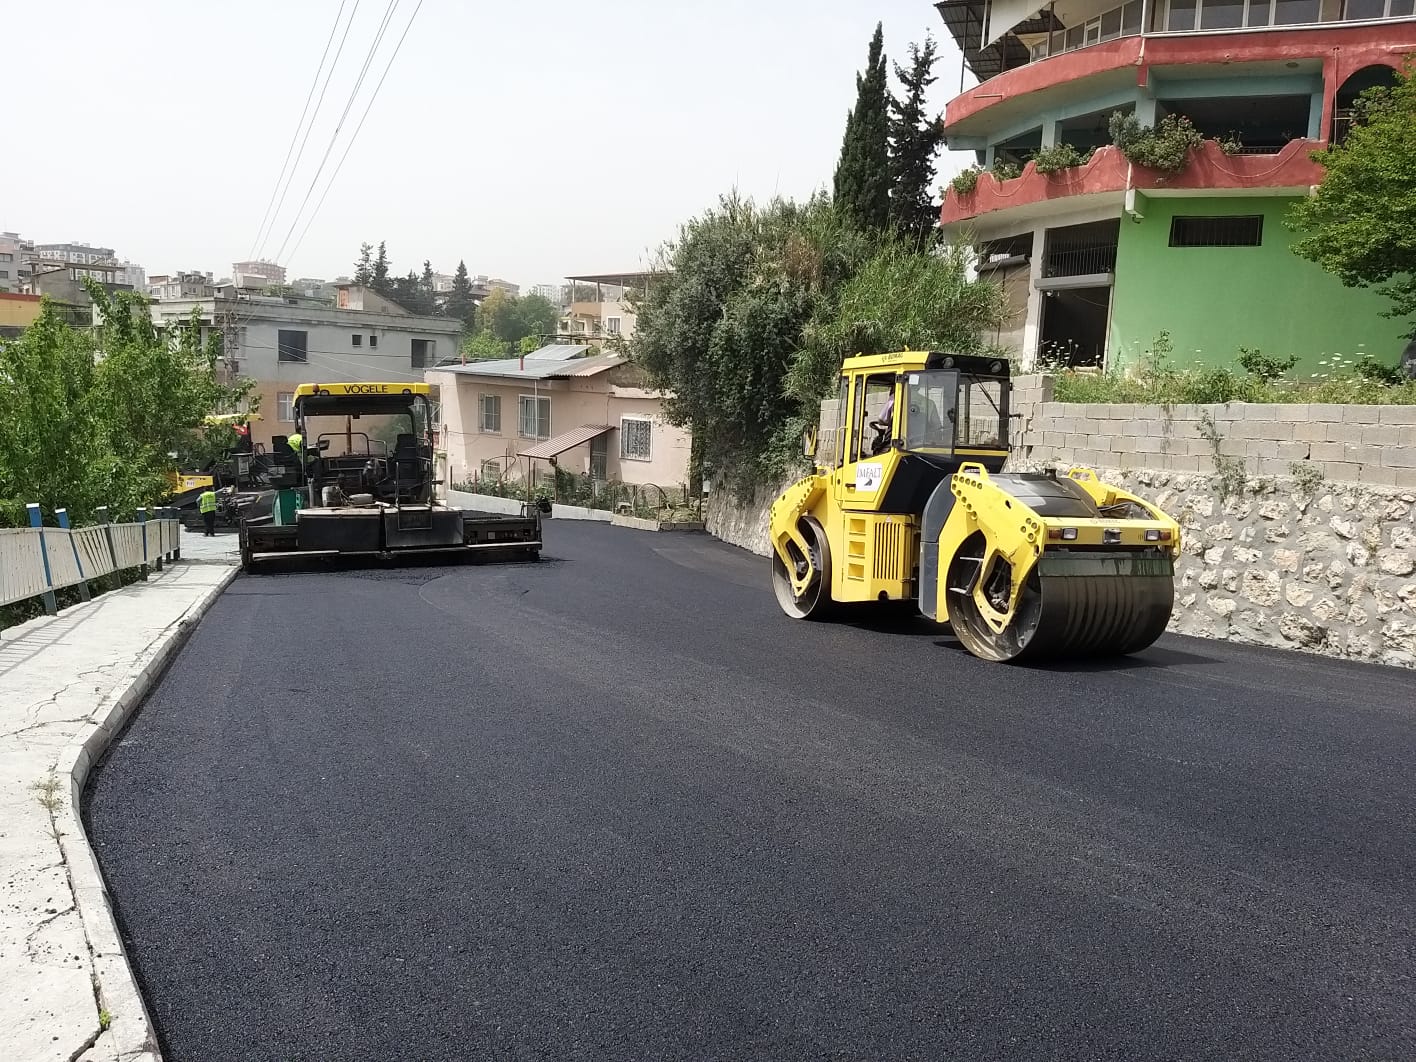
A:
536	316
485	345
862	182
1361	220
379	280
498	315
460	303
91	419
405	292
427	290
364	268
915	138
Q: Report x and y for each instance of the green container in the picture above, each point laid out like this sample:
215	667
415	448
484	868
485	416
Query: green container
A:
286	503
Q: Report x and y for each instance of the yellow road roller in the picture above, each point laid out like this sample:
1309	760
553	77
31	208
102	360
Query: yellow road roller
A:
909	503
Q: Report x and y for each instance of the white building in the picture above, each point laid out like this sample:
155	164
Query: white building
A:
165	287
281	342
75	253
12	258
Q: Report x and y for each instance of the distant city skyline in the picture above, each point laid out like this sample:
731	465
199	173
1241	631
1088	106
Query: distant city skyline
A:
658	129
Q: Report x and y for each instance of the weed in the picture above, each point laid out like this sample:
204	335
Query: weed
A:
1231	477
1306	476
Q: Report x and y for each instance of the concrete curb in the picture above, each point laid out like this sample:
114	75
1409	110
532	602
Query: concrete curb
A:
130	1035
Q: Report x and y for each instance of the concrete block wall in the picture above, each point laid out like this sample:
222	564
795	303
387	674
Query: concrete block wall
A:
1370	445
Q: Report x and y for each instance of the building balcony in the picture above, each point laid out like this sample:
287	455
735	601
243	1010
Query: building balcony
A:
1091	66
1108	175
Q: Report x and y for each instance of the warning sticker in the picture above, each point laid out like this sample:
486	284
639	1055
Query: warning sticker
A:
868	475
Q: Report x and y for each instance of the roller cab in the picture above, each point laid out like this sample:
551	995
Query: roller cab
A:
908	502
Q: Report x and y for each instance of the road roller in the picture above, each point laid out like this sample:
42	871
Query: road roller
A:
909	502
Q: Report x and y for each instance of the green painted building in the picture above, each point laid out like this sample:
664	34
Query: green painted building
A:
1098	259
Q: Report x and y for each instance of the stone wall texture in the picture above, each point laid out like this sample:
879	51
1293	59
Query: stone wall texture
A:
1299	521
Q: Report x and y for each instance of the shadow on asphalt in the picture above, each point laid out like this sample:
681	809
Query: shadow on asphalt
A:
296	564
1154	657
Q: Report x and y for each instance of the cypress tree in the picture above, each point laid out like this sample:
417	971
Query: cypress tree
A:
862	184
915	138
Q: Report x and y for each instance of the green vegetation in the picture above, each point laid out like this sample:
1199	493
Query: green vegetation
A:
1156	380
1360	222
92	418
1006	171
915	137
966	180
747	330
1059	157
1165	146
862	181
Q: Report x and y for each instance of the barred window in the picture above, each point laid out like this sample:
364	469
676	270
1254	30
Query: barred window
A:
636	437
535	417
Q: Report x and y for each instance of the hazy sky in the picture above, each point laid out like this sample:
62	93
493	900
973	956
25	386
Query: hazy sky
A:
533	139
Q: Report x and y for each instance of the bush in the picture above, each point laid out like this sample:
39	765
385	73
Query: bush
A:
1155	381
1059	157
1006	171
1163	147
1230	144
965	181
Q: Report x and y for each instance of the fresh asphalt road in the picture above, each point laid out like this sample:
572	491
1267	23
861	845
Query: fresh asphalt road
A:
614	805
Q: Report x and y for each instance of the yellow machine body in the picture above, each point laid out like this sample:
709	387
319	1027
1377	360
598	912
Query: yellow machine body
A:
908	502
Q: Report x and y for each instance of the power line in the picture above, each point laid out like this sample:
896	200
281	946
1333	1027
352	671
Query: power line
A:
299	125
261	239
348	146
348	105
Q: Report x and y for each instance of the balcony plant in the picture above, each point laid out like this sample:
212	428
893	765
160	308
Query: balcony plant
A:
1165	146
1006	171
965	181
1059	157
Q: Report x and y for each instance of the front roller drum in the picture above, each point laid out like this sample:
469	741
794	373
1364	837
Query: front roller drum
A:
814	602
1084	606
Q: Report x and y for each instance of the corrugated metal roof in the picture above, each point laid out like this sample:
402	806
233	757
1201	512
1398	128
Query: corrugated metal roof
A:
568	441
517	369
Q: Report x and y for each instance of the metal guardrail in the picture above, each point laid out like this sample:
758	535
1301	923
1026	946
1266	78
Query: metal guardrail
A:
36	561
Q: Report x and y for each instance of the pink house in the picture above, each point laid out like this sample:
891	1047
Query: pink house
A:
562	405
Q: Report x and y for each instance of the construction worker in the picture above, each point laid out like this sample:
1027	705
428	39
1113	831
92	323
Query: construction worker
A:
206	502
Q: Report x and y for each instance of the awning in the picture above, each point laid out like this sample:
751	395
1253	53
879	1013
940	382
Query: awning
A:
571	439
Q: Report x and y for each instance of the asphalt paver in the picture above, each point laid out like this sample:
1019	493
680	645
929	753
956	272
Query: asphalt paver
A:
614	805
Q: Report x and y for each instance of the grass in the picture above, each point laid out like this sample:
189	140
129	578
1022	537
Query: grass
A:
1157	381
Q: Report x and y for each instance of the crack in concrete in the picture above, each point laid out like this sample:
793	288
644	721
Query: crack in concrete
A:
29	937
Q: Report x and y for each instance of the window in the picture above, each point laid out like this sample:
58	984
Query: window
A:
1181	15
4	274
612	325
535	417
875	403
491	470
422	353
636	437
285	407
6	256
489	413
373	342
1243	231
292	345
358	340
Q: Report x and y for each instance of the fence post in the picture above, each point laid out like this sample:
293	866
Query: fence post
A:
142	528
62	515
176	533
115	578
51	605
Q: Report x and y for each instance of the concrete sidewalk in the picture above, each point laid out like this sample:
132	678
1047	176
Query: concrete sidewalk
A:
67	684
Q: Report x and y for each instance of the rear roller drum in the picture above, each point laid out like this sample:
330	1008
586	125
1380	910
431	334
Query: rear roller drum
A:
815	601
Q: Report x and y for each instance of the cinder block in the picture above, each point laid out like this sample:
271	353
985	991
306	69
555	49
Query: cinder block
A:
1327	451
1396	457
1293	412
1294	451
1310	431
1341	471
1345	433
1261	448
1259	412
1325	412
1270	466
1405	478
1199	448
1360	414
1379	476
1280	430
1187	464
1364	455
1396	414
1148	444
